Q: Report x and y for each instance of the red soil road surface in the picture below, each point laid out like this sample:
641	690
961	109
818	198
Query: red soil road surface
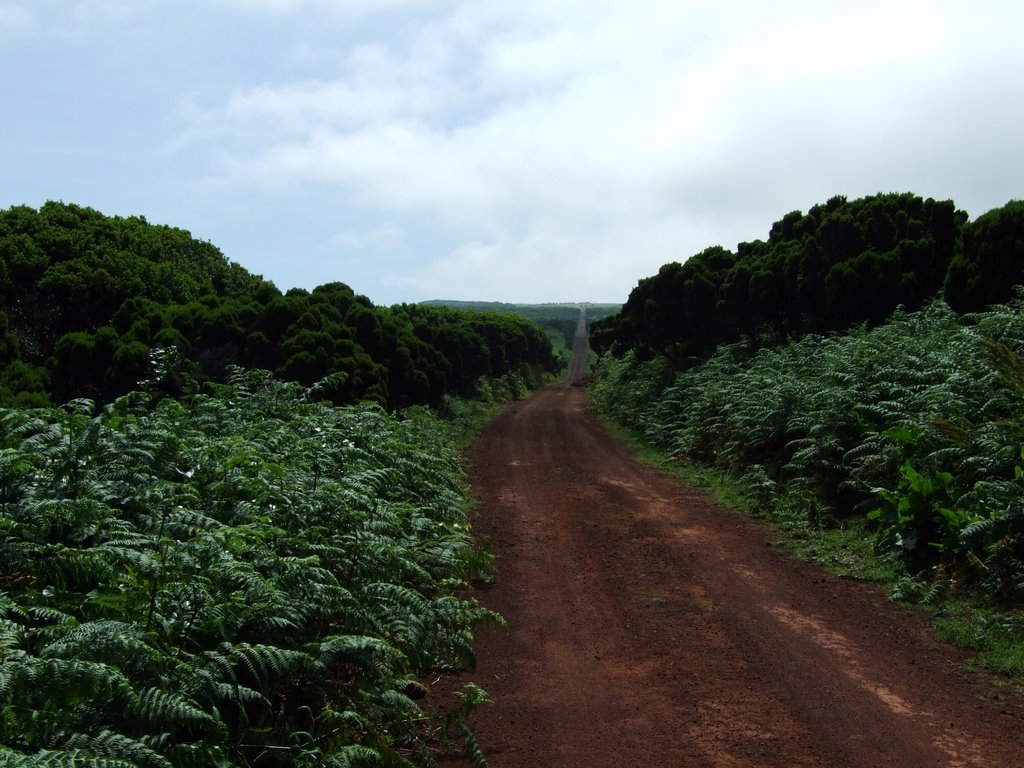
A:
650	627
578	369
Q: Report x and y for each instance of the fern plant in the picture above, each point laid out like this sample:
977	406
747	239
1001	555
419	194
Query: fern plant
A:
918	418
247	576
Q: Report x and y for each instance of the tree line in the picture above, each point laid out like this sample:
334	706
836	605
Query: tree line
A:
85	297
839	264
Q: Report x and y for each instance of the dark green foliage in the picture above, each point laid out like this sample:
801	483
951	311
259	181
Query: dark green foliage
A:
478	344
841	263
673	311
918	518
915	422
726	359
79	286
20	382
991	262
80	266
85	297
249	577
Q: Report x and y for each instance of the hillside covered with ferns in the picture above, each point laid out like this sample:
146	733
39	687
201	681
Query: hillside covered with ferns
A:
864	363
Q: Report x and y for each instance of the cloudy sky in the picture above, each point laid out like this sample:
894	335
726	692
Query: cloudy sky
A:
511	150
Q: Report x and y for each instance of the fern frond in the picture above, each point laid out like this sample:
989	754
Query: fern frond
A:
108	744
109	642
368	653
974	533
354	756
45	614
62	680
239	695
68	567
265	665
12	635
167	709
1008	365
472	749
60	758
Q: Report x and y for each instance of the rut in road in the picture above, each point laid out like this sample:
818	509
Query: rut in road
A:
650	627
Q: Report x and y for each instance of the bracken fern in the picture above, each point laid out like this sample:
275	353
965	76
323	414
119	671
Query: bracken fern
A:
852	423
250	576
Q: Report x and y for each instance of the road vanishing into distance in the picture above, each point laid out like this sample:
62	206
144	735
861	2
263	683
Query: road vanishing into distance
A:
650	627
578	369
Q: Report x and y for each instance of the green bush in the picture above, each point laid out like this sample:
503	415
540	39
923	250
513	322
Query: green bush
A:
247	577
917	422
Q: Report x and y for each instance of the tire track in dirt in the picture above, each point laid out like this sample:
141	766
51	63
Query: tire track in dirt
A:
650	627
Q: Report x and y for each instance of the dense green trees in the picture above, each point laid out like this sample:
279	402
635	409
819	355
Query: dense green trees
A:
84	297
841	263
991	262
480	343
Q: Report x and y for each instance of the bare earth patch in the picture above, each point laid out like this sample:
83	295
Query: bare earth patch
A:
651	627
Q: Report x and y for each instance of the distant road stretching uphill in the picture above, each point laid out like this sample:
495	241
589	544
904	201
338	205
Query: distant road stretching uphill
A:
579	351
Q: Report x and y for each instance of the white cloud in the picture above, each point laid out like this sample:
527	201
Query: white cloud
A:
387	238
526	128
103	11
581	139
14	19
550	263
346	9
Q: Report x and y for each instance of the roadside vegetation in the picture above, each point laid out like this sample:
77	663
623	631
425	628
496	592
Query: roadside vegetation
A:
886	443
233	521
245	577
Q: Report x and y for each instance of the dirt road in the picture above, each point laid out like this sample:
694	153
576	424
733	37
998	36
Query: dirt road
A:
649	627
578	367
